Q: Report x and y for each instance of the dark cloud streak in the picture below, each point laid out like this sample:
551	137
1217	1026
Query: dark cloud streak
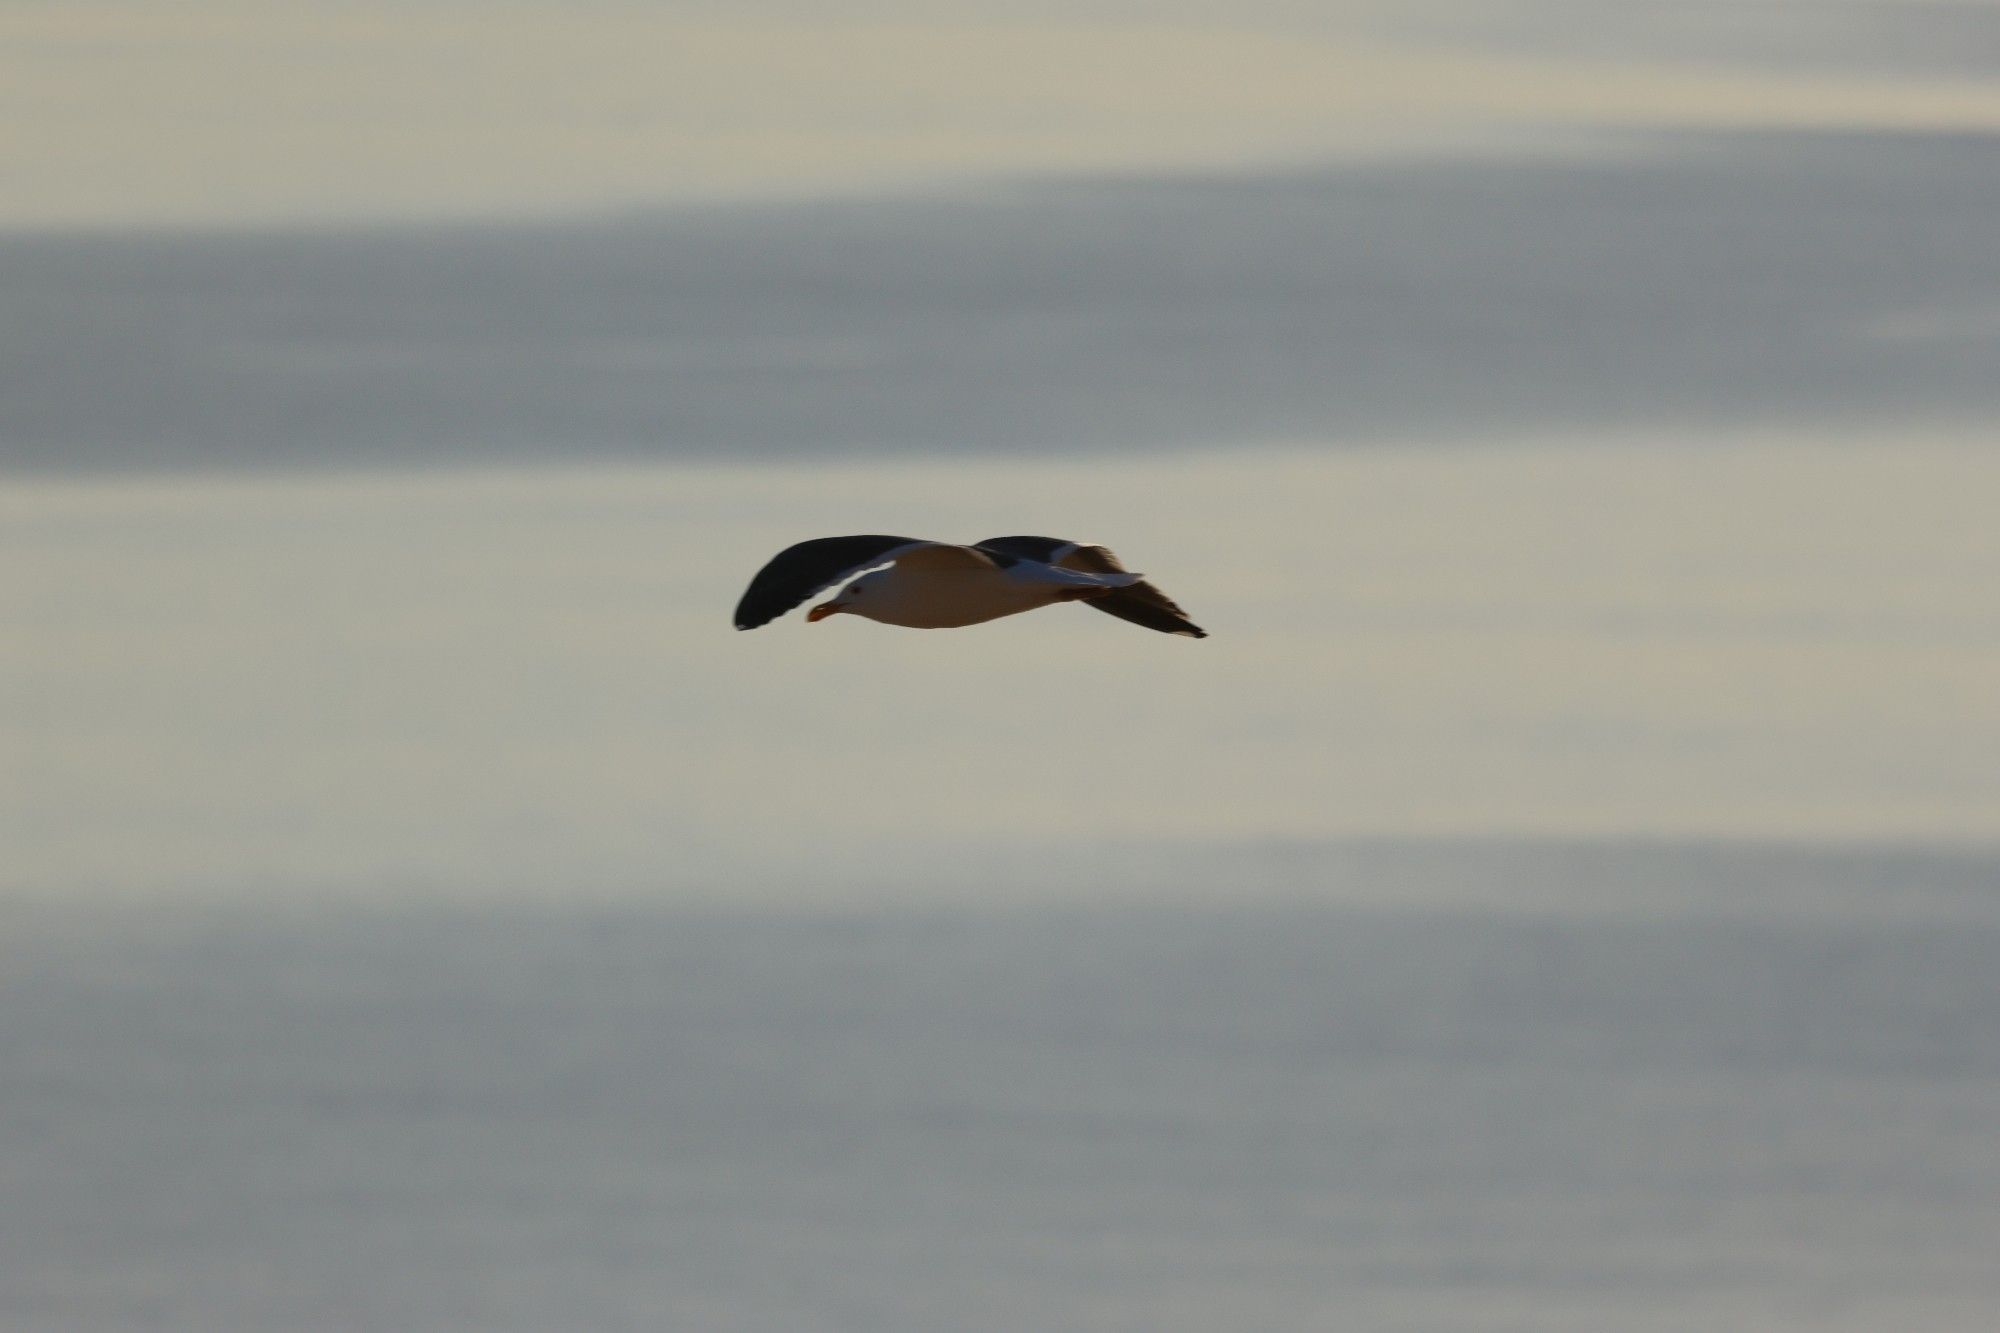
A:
1694	281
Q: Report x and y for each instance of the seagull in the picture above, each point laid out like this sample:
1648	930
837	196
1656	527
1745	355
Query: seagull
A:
936	585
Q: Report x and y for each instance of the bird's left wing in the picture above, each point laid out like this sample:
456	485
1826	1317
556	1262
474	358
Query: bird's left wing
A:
944	558
797	572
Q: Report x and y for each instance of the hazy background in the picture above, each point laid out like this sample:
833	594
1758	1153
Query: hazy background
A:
1564	892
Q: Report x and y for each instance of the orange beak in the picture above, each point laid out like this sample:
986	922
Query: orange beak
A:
823	610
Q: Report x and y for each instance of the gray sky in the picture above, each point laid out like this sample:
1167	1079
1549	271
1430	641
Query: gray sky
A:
1573	422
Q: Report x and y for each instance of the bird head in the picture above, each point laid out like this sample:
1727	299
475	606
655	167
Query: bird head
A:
833	606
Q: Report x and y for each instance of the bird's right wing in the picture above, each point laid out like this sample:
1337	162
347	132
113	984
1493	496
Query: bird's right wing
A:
798	572
944	558
1141	603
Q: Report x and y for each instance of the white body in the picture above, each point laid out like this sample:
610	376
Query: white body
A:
932	590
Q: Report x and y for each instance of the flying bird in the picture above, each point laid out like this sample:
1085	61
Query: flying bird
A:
936	585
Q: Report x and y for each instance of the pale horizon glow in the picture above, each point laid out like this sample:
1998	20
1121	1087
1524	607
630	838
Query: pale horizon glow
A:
504	682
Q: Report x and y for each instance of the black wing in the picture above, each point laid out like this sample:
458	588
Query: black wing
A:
797	572
1142	603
